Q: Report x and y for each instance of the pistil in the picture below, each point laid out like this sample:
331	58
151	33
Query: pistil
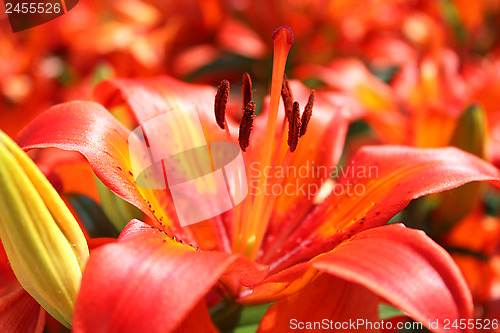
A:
283	39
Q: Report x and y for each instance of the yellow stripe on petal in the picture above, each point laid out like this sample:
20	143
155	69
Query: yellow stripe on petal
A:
45	246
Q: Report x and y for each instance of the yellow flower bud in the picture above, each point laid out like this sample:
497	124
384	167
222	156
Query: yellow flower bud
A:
45	245
469	135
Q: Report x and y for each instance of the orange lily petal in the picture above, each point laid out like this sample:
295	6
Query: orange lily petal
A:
151	282
8	280
90	129
479	234
309	168
401	265
198	321
328	301
405	267
353	78
281	285
479	274
149	98
69	170
392	176
19	312
387	179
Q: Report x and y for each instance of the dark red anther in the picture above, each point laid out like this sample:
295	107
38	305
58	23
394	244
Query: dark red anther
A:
246	89
220	103
246	125
286	94
294	127
306	115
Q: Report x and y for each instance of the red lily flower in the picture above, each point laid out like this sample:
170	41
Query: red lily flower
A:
422	103
476	240
377	102
485	86
336	255
425	106
475	246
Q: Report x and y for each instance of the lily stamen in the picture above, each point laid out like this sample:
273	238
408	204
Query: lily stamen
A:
220	104
286	94
246	89
306	115
246	125
294	127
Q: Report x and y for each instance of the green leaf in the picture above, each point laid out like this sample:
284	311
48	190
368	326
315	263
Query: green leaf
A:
92	216
234	318
384	73
452	16
246	329
102	72
492	202
387	311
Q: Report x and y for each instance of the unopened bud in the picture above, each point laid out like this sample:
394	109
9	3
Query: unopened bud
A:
44	244
469	135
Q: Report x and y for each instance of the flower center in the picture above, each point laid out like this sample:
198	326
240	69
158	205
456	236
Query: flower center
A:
253	215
